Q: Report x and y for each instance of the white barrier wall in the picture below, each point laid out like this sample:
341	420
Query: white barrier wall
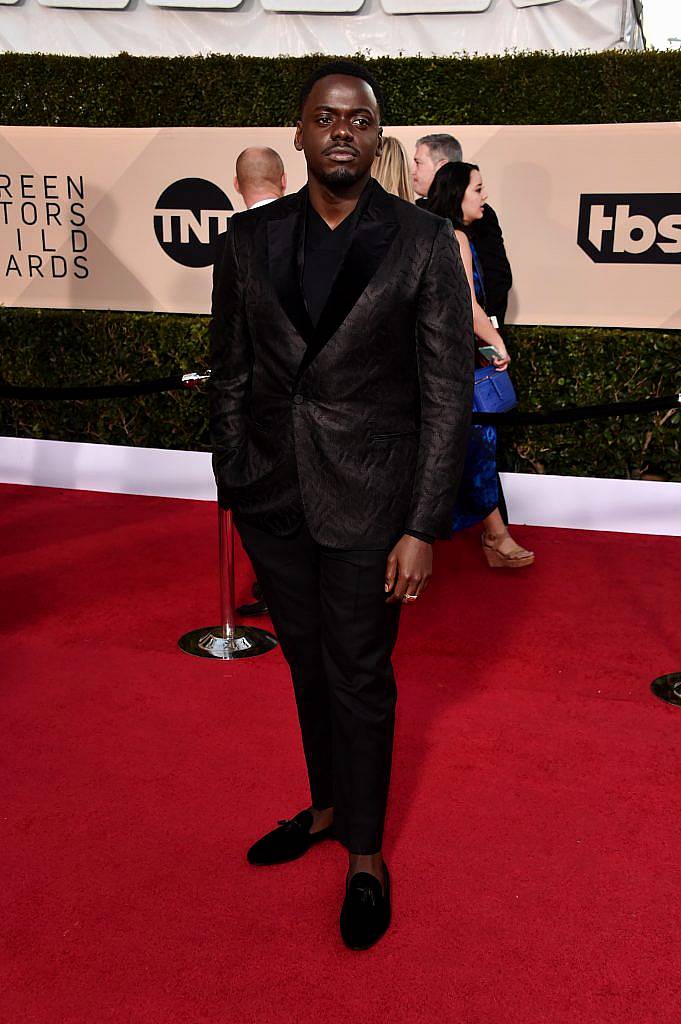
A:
300	27
580	503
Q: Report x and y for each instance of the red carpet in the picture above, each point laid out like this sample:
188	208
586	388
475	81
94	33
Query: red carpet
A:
534	829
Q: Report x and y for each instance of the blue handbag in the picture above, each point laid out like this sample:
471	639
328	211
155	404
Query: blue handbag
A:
493	391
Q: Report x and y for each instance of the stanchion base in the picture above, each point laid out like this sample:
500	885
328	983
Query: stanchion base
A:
248	641
668	688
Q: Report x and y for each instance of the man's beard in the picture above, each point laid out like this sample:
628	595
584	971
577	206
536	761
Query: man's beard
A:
339	179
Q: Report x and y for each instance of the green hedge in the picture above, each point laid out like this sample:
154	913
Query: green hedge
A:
552	367
534	88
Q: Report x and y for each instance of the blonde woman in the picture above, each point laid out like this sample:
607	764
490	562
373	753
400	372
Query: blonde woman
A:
392	169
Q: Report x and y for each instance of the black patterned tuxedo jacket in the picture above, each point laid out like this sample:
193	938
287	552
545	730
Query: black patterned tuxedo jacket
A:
360	423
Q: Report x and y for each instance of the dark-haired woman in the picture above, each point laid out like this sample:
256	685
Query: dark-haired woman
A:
457	192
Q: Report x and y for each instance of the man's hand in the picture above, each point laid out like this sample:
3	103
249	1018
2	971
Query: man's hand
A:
408	569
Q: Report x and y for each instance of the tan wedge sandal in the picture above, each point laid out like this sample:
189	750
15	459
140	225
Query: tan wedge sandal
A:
516	558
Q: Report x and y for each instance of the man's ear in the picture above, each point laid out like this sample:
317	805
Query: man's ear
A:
298	140
283	183
236	184
379	143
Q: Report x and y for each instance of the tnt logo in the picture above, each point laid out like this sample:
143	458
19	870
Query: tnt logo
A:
631	228
189	216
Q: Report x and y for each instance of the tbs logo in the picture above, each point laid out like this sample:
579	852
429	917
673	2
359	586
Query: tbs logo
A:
189	216
631	228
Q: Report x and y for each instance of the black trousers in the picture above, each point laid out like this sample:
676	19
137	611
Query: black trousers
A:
337	634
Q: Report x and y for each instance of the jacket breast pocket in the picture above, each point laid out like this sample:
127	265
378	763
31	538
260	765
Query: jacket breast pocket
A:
394	436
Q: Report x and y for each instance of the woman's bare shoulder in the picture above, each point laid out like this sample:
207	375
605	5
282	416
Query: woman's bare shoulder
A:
462	238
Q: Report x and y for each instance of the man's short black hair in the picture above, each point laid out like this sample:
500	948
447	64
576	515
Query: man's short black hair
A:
343	67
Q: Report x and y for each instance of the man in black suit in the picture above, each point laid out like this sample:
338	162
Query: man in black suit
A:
342	359
432	151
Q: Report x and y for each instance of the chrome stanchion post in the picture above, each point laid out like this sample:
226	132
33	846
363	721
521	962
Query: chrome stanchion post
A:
226	560
228	641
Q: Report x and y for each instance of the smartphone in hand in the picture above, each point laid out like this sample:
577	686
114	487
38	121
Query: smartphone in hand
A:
489	352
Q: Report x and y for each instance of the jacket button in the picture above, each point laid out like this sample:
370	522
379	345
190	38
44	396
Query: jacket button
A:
298	399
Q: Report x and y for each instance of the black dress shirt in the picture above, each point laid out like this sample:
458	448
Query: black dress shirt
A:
325	249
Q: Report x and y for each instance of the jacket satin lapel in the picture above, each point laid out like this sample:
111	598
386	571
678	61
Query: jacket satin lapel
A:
285	255
372	238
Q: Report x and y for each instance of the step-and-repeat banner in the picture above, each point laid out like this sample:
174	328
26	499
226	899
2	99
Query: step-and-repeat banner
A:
126	219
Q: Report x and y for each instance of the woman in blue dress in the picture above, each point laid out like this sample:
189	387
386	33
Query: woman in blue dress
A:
457	192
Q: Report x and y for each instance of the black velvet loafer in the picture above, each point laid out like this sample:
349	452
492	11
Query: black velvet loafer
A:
287	842
366	910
